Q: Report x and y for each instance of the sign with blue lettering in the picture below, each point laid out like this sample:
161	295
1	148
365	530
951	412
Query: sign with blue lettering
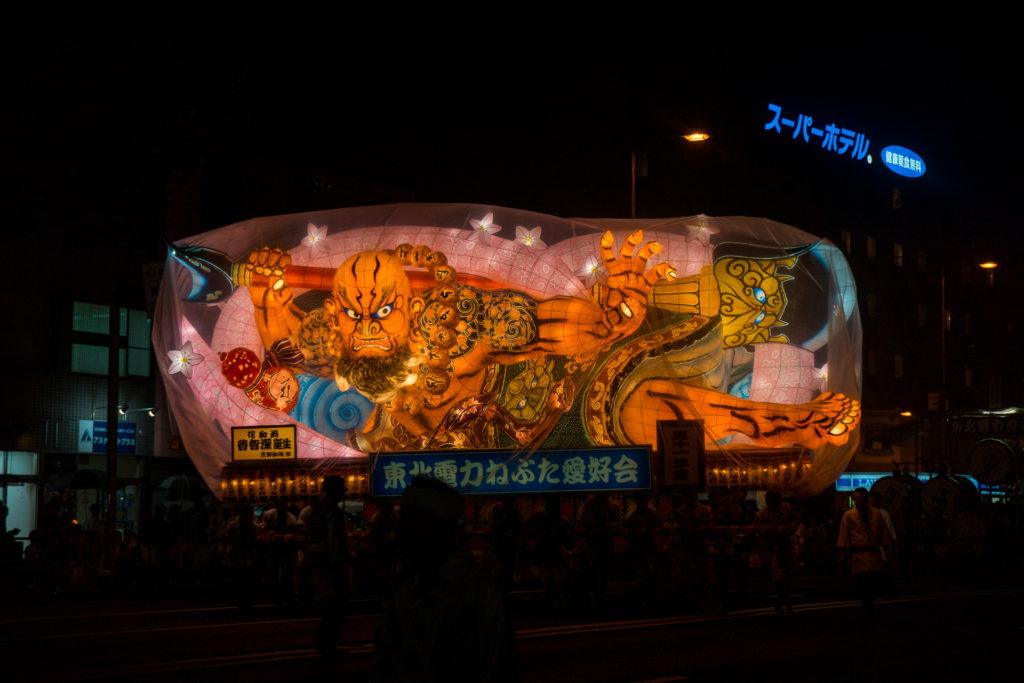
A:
903	161
92	437
842	141
833	138
625	468
848	481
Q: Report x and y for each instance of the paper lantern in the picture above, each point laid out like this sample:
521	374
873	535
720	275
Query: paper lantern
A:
414	327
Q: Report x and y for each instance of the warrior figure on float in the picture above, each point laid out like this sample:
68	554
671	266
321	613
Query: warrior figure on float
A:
472	366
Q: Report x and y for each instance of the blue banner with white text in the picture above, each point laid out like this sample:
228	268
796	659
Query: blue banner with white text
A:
613	469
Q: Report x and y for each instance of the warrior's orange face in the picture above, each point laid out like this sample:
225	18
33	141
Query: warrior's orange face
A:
369	304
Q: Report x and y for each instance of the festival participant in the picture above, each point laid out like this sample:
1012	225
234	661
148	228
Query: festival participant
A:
328	557
863	535
642	526
775	545
446	620
691	561
547	535
239	539
282	536
506	529
596	521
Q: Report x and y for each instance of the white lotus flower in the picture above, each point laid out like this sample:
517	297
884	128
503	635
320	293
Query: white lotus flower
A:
316	238
591	267
484	227
184	360
530	238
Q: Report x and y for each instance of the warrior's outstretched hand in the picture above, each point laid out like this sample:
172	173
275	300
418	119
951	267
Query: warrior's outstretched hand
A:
623	297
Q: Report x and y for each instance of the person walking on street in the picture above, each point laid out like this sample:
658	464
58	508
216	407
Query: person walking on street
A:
863	535
447	620
775	545
328	556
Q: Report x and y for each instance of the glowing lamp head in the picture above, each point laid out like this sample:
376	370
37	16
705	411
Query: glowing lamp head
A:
988	265
906	413
696	136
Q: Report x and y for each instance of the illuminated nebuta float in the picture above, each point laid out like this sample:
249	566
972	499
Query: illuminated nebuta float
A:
425	327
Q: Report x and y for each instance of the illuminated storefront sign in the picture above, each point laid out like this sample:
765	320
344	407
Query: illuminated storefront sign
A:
986	424
833	138
503	472
263	443
903	161
92	437
849	481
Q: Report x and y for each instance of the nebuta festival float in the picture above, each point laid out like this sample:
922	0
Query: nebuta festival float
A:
505	351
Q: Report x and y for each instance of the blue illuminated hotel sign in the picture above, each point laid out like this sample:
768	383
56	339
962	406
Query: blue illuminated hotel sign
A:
841	141
903	161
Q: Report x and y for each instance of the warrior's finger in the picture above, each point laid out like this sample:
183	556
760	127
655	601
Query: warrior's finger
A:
631	243
261	257
649	250
608	247
662	271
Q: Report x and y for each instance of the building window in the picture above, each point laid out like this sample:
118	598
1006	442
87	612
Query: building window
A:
922	261
897	199
872	305
871	362
19	489
947	320
968	378
90	324
965	274
94	318
922	314
897	255
967	323
897	366
847	241
871	247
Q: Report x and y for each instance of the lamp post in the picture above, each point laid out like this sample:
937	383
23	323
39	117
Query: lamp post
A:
693	137
990	268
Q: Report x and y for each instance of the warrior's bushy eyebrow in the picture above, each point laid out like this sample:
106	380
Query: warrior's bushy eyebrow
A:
387	296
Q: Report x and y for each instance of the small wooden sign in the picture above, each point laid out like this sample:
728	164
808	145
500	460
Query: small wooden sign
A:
263	442
681	447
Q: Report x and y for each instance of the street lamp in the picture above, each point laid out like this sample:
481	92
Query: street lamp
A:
990	269
696	136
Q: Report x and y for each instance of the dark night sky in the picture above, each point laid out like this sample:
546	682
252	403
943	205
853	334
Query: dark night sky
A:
271	113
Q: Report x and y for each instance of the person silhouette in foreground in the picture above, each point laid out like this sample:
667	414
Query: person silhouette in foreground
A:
328	554
446	620
863	535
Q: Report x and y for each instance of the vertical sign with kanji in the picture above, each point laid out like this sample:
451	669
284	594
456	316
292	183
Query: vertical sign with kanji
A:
273	442
681	447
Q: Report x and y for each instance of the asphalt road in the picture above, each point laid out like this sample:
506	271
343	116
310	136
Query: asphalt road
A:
943	636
